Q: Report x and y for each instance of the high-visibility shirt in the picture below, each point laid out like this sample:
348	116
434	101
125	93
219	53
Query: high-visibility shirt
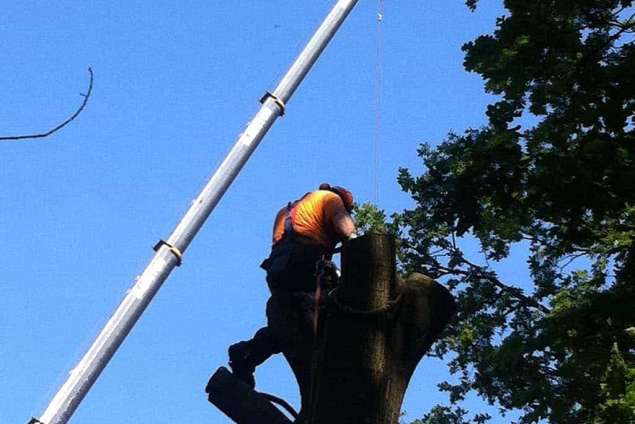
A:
312	218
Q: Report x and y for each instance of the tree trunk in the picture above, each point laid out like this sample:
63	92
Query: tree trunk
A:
372	333
376	330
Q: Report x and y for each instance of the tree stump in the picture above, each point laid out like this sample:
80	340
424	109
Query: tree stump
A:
373	330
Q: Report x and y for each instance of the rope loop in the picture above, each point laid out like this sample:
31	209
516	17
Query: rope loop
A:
389	309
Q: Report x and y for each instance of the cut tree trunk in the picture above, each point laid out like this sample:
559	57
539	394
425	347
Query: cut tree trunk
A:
376	331
372	333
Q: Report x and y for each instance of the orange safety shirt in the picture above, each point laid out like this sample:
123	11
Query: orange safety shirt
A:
312	218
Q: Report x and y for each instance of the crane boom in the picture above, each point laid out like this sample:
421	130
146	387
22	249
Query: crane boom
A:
169	253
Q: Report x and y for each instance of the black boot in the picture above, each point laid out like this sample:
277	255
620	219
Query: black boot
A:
239	360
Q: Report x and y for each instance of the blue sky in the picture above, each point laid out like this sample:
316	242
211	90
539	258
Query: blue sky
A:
175	83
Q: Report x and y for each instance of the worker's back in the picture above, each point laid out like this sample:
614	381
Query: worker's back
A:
312	218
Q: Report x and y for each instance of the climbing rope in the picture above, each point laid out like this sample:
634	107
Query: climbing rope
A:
319	336
283	403
389	308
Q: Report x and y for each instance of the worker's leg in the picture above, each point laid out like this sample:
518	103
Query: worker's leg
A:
245	356
285	318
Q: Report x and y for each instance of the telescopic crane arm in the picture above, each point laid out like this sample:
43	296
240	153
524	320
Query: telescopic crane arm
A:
169	253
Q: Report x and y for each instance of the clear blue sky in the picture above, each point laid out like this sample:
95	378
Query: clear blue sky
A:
175	82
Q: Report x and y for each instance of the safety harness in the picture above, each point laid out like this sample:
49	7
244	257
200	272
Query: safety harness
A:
288	220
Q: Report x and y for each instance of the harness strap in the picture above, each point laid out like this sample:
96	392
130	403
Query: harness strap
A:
288	220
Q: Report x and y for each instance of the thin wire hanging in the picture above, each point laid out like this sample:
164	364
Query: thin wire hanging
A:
379	76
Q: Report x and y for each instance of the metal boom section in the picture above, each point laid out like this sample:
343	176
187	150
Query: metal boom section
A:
169	253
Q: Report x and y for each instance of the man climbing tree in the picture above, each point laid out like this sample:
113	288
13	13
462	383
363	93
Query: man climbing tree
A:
305	232
553	173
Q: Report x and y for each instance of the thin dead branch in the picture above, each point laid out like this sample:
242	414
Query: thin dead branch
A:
63	124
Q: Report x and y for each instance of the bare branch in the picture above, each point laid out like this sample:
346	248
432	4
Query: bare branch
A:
60	126
514	291
569	259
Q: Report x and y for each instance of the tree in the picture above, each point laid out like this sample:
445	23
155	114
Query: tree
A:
365	339
553	171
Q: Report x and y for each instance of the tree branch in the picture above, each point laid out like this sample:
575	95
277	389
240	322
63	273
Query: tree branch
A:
514	291
60	126
569	259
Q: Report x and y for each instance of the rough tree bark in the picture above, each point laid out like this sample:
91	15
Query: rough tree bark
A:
373	331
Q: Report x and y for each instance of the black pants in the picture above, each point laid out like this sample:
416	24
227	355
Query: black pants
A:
289	323
291	278
291	265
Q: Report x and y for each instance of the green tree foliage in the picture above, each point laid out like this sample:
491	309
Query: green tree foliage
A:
369	218
553	171
618	389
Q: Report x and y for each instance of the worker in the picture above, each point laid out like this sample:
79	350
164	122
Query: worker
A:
305	232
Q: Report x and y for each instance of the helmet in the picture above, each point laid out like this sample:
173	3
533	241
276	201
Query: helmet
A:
345	195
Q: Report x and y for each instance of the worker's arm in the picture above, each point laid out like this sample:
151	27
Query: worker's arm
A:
339	218
344	225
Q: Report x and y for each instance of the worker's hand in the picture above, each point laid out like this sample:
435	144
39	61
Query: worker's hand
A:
329	272
329	266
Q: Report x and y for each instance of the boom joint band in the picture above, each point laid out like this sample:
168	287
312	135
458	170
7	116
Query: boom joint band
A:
276	100
174	250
